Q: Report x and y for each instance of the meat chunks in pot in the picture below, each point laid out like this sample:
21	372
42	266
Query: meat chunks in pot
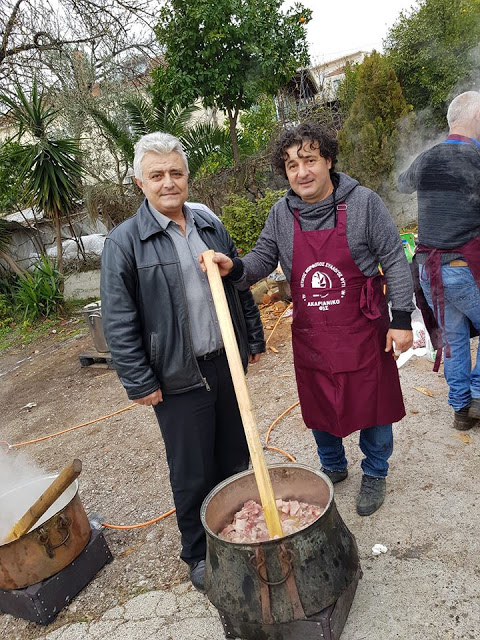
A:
249	523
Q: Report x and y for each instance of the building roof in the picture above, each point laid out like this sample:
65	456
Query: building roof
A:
339	61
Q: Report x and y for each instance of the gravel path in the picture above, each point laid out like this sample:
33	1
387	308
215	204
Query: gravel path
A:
424	588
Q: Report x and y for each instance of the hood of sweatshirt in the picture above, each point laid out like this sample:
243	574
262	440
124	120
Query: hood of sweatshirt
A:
343	186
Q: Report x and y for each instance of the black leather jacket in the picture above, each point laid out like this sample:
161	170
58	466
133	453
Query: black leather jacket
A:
145	313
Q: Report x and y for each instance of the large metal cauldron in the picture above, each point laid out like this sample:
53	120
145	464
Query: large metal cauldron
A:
57	539
298	586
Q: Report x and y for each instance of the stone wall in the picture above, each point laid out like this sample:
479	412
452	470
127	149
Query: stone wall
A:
29	234
403	208
83	285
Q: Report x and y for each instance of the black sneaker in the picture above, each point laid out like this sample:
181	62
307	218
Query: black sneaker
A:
463	420
335	476
197	575
371	496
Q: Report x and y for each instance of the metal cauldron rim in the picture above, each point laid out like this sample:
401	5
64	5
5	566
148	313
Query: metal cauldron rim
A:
290	465
64	500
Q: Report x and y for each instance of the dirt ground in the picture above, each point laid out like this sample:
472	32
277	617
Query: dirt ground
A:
425	587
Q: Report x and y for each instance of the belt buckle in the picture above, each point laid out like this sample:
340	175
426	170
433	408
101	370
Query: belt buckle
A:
211	355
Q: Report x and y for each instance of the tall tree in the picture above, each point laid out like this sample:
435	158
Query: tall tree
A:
84	53
229	53
34	34
348	87
434	50
369	137
48	165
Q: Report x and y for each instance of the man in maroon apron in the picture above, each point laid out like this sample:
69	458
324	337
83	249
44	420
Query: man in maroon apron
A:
447	181
330	234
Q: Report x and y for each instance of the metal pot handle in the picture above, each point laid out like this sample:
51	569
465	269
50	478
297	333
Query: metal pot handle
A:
62	524
286	556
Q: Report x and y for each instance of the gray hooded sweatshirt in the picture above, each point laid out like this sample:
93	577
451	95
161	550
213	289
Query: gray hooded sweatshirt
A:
372	237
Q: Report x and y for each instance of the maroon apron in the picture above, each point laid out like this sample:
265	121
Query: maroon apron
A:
345	379
435	320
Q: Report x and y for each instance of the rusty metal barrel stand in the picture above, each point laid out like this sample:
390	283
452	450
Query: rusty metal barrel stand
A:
299	586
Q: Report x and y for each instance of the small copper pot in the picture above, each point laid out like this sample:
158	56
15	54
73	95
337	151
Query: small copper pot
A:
56	540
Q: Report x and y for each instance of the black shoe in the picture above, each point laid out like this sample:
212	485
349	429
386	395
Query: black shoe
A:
474	409
335	476
371	496
197	575
463	420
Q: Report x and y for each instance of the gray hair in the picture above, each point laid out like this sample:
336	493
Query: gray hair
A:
463	108
157	142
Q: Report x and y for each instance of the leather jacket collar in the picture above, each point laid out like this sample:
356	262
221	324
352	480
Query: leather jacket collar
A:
148	225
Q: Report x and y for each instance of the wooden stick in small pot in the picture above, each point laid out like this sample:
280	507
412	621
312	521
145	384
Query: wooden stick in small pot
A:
45	501
262	477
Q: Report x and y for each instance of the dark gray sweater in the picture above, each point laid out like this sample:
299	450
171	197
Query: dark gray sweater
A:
371	235
446	179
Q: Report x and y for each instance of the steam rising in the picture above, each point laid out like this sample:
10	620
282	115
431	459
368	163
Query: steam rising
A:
416	131
416	136
16	469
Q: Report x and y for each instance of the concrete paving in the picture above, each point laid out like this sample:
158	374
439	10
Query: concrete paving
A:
178	614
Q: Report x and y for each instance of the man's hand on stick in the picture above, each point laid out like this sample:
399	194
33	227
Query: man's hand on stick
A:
225	264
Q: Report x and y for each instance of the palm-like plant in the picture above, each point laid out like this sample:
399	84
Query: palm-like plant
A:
48	165
144	116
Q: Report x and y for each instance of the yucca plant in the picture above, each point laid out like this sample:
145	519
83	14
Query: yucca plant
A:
49	166
146	115
39	293
143	116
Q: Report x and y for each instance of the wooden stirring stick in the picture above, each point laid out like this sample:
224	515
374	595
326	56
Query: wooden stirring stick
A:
262	477
45	501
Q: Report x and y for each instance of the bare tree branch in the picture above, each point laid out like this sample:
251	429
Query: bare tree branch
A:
52	46
9	28
105	30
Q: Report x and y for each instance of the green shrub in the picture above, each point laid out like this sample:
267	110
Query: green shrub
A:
6	300
258	126
245	219
6	317
39	293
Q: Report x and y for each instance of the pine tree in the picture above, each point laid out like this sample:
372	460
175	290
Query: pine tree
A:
369	137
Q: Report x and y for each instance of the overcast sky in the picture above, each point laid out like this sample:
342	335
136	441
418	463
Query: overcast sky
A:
345	26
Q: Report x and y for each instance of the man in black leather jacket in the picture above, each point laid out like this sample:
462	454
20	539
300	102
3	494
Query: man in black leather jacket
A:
162	331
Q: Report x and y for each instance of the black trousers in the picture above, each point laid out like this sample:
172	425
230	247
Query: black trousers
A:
205	443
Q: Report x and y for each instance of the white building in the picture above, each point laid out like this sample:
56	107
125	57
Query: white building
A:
328	75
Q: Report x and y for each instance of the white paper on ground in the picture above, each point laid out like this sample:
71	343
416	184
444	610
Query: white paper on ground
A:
408	354
402	359
377	549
